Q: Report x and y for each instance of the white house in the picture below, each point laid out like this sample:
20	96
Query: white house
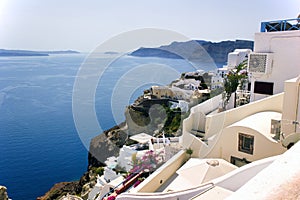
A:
234	59
183	105
217	80
274	60
190	86
237	57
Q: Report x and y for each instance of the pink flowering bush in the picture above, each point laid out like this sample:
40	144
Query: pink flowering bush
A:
111	198
150	161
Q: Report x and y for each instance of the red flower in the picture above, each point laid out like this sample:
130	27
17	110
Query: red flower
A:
111	198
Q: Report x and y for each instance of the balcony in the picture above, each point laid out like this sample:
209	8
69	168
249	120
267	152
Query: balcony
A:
280	25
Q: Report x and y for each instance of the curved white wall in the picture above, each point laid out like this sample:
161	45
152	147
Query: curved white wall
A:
182	195
215	123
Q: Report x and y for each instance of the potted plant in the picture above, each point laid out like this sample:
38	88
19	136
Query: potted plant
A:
189	151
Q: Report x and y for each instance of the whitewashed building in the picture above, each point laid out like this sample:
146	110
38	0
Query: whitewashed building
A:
234	59
274	60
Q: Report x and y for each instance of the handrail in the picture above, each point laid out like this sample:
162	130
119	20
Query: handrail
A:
131	176
280	25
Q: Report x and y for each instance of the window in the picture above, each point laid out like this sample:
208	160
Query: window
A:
246	143
239	161
263	87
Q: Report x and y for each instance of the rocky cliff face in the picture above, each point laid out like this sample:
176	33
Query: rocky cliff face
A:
3	193
81	187
219	51
146	117
60	189
149	116
106	145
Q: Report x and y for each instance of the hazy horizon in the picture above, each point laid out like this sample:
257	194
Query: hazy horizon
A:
83	25
66	49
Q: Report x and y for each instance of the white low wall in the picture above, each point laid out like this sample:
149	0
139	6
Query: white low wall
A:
197	121
181	195
237	178
280	179
216	122
162	174
232	181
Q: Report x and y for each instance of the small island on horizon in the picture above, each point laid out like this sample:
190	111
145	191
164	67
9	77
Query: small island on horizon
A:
13	53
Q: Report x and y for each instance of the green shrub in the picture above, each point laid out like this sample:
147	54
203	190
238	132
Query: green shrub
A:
189	151
99	171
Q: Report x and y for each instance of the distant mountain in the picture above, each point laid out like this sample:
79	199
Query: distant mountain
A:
111	52
155	52
195	50
60	52
5	52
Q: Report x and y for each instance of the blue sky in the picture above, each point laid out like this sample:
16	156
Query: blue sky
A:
83	25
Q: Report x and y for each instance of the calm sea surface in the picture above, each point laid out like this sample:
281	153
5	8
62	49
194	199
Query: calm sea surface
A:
39	144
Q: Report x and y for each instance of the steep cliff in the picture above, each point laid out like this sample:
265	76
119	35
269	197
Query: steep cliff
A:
81	187
106	145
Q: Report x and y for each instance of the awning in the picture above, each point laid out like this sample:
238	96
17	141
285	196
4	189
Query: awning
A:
141	138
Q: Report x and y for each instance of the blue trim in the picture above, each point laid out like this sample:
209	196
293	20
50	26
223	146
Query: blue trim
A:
280	25
263	27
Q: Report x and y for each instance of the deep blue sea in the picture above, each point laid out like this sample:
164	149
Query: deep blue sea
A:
39	144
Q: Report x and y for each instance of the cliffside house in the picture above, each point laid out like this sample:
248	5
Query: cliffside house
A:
162	92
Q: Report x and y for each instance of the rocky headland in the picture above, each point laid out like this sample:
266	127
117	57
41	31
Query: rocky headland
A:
195	50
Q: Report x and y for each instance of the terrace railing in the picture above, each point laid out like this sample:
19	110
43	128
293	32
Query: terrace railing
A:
280	25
